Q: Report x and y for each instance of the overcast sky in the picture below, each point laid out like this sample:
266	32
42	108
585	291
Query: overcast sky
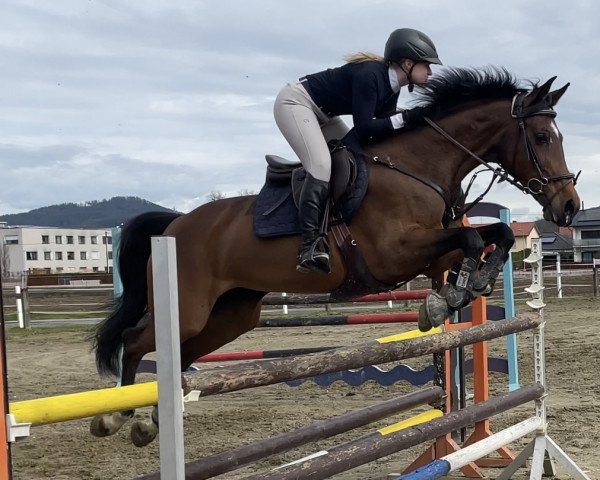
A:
169	100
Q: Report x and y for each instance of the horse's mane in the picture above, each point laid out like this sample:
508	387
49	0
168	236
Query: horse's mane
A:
453	87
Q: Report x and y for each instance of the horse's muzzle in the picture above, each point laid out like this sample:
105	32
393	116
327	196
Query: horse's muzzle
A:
564	214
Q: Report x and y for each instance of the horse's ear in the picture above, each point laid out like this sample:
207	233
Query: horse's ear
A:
556	94
538	94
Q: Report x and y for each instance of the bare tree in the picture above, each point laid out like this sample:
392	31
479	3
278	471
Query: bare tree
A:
246	191
215	195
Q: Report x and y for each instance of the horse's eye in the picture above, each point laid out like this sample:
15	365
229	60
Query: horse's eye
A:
542	137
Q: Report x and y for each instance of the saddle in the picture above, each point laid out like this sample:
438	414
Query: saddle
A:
276	210
343	172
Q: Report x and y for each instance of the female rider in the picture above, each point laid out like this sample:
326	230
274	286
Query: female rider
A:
308	114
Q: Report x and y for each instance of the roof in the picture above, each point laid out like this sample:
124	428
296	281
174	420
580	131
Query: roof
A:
587	218
522	229
566	232
556	242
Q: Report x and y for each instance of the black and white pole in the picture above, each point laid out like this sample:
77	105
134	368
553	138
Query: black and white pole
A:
542	449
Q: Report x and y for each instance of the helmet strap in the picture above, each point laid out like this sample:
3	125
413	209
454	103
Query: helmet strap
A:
411	85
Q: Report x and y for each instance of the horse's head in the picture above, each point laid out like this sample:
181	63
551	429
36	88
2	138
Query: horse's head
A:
539	160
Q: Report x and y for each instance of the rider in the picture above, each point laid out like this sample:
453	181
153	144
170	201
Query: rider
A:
367	87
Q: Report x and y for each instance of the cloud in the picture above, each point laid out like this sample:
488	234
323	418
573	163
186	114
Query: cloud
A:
170	101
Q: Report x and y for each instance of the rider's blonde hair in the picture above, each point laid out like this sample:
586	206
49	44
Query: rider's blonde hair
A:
363	57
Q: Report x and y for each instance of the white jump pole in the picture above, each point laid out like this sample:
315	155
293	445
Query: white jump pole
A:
558	279
19	307
166	324
285	307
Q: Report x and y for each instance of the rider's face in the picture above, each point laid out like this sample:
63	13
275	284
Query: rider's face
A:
421	72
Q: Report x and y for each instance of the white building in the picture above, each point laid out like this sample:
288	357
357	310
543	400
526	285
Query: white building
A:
55	250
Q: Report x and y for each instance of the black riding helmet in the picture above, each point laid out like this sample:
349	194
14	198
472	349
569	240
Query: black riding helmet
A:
411	44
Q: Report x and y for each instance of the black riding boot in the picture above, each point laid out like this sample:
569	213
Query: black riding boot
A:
313	255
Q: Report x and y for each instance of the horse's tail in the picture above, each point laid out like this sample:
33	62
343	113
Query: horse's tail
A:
131	305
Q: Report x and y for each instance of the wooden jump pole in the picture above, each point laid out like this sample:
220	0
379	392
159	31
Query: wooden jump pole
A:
380	444
267	372
233	459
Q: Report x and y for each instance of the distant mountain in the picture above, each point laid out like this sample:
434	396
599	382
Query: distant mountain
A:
94	214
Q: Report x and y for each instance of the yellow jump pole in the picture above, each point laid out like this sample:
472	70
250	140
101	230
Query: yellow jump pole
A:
61	408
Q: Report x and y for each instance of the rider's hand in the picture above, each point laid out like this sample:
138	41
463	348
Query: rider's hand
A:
412	116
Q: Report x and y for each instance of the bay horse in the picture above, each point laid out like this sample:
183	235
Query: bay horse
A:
473	116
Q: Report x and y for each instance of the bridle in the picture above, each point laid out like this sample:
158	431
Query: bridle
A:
535	185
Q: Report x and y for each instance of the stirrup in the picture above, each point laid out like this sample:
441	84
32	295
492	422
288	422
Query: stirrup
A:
313	261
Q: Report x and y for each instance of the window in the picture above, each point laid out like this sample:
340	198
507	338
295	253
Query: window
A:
106	240
70	255
94	240
70	239
95	256
46	239
94	269
47	255
31	255
11	240
81	239
59	269
83	256
58	239
57	255
110	255
587	234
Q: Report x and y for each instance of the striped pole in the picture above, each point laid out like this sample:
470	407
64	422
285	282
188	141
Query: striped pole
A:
371	447
363	319
319	299
233	459
259	354
442	467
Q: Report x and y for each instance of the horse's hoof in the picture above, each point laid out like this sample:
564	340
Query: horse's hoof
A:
436	309
99	427
424	323
142	433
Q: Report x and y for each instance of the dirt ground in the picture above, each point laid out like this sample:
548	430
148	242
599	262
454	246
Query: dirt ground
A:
48	362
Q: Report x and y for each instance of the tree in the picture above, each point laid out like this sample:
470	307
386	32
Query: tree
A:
215	195
4	260
246	191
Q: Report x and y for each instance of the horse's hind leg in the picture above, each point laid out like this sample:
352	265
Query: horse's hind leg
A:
235	313
137	342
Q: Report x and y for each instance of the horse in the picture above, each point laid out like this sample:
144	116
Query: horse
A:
472	117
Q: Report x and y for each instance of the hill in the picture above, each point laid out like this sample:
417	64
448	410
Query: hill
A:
94	214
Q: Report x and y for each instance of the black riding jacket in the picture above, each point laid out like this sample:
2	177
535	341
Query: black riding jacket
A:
362	90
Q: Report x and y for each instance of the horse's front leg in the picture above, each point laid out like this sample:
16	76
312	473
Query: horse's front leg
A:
500	235
458	292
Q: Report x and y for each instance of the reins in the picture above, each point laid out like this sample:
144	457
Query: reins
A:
534	186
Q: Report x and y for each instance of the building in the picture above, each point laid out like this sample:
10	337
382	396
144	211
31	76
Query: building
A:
42	250
586	235
524	232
